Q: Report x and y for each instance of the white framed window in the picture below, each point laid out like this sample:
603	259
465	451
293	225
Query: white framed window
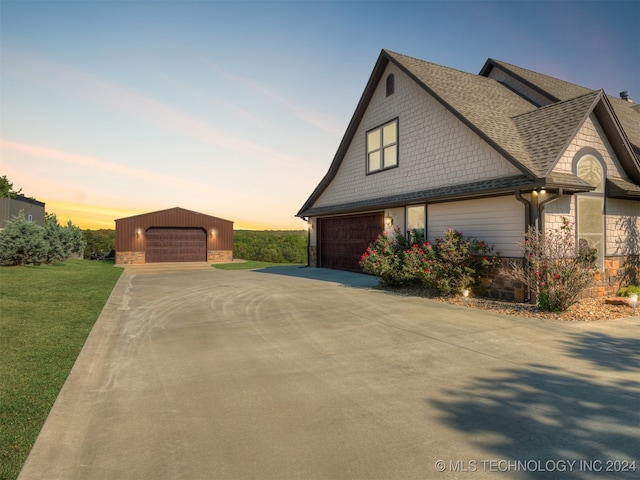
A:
382	147
590	206
30	219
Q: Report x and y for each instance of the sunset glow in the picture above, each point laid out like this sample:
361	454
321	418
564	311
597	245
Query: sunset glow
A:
236	109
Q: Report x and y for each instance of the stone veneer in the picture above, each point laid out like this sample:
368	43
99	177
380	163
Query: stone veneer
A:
313	256
130	258
219	256
138	258
619	271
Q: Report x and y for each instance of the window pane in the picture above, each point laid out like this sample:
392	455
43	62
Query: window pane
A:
373	140
415	217
374	161
597	242
590	170
390	156
590	215
389	134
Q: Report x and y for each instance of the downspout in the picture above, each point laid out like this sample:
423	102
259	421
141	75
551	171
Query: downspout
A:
529	223
527	206
547	201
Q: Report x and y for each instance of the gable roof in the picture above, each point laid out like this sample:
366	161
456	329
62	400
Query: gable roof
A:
555	90
175	211
532	138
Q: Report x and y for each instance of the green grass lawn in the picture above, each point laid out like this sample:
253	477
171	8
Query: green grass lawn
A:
252	264
46	314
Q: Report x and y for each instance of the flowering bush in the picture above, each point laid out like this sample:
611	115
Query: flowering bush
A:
461	261
384	257
451	264
555	270
420	263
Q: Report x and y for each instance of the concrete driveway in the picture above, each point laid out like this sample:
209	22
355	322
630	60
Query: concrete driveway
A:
303	373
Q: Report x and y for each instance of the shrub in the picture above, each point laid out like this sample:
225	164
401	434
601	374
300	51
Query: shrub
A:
555	270
628	291
461	261
22	242
420	263
384	259
452	263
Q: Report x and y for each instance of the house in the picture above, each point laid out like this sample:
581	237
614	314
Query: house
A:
430	147
173	235
10	207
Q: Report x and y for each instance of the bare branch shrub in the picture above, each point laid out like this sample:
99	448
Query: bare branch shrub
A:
555	269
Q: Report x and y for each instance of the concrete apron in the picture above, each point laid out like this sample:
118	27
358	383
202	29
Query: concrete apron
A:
297	373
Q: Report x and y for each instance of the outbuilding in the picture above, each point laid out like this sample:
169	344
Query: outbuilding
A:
173	235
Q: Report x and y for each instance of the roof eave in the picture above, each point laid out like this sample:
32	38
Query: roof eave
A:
369	89
617	137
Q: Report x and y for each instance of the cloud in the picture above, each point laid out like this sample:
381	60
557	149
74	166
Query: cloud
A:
309	116
96	164
97	90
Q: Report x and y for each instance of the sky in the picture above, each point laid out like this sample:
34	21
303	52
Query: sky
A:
113	108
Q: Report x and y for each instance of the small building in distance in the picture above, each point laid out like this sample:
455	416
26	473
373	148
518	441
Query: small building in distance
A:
10	207
173	235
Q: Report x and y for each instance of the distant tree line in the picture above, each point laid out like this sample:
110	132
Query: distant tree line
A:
286	246
97	241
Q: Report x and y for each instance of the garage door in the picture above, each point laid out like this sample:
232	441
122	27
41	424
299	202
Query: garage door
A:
176	245
343	240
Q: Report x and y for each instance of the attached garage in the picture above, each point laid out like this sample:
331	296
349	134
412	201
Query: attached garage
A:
343	240
173	235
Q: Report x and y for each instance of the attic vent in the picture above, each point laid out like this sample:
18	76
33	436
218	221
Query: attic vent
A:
390	84
625	96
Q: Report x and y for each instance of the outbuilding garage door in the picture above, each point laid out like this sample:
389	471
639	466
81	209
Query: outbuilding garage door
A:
343	240
176	245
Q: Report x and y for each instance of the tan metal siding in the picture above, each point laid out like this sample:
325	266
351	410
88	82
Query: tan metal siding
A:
497	221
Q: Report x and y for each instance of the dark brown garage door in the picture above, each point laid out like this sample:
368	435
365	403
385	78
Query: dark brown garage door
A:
343	240
176	245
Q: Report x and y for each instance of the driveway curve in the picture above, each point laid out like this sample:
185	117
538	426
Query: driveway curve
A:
302	373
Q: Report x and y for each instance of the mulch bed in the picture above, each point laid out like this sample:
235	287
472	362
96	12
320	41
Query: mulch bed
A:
589	309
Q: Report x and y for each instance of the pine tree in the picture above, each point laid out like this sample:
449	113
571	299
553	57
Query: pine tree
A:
22	242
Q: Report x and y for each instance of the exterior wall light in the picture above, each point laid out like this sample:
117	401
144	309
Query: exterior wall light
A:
212	233
138	233
388	220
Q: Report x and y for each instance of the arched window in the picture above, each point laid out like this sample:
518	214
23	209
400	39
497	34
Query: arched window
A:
590	206
390	84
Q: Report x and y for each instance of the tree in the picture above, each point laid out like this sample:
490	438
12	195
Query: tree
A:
22	242
53	234
6	188
73	239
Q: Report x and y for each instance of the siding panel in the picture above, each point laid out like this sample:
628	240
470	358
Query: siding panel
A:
497	221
